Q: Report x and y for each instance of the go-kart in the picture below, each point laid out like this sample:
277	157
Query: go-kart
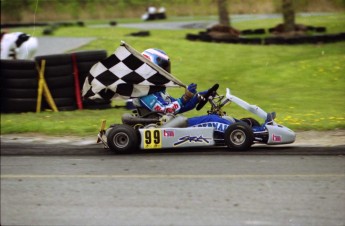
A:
154	130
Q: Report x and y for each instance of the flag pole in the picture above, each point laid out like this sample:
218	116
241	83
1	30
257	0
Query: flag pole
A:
154	66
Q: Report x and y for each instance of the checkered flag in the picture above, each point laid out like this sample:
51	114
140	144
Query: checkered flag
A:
126	74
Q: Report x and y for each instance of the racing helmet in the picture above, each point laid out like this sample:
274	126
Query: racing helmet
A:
158	57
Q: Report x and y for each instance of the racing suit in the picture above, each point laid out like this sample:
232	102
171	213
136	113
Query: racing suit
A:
162	102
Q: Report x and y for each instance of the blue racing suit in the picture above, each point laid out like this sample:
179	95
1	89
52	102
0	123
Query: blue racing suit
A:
162	102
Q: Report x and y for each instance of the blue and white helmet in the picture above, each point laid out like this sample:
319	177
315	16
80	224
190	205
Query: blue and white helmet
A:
158	57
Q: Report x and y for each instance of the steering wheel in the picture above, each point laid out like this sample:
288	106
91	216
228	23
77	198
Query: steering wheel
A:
204	100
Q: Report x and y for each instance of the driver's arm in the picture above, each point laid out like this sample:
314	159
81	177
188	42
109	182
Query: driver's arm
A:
192	102
155	102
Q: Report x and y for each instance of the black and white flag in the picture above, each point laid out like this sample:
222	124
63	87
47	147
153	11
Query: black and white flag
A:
126	74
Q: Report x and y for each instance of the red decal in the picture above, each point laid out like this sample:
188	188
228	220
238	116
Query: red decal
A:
168	133
146	56
176	106
170	110
276	138
157	108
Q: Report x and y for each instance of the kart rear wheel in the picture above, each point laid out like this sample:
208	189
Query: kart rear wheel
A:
122	139
239	136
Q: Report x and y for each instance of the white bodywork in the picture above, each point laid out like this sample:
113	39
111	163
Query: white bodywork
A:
278	134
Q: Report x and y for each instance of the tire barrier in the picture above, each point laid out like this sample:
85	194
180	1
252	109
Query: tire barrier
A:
112	23
58	73
65	74
258	31
19	84
14	25
140	34
308	28
316	38
58	77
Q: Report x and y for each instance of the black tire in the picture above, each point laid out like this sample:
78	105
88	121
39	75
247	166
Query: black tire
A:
58	71
60	82
55	59
13	73
239	136
83	70
67	92
48	31
17	105
18	64
26	83
122	139
91	55
20	93
247	32
320	29
203	36
96	104
64	102
259	31
192	37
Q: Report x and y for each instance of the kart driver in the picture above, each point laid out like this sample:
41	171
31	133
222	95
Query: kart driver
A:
162	102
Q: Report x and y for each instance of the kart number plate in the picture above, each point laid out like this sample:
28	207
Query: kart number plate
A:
152	138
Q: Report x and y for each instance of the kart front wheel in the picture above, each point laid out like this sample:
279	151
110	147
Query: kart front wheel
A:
122	139
239	136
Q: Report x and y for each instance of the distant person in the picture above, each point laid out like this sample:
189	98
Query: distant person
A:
150	13
18	45
161	13
151	10
153	14
161	10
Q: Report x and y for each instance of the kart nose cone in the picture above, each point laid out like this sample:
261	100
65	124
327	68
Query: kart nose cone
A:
290	136
280	135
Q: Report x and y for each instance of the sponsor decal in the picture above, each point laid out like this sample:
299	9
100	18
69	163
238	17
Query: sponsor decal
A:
192	139
169	110
176	106
168	133
221	127
276	138
157	108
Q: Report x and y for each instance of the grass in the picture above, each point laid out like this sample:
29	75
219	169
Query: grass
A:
304	84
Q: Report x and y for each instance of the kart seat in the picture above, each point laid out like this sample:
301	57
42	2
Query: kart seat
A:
177	122
132	120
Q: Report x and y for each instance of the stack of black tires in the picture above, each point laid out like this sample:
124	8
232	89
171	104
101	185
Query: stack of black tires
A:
64	75
19	83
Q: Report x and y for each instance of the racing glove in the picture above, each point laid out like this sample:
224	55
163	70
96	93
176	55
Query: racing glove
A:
190	92
191	103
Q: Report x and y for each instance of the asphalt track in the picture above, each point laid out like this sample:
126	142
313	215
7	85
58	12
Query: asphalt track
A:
66	184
